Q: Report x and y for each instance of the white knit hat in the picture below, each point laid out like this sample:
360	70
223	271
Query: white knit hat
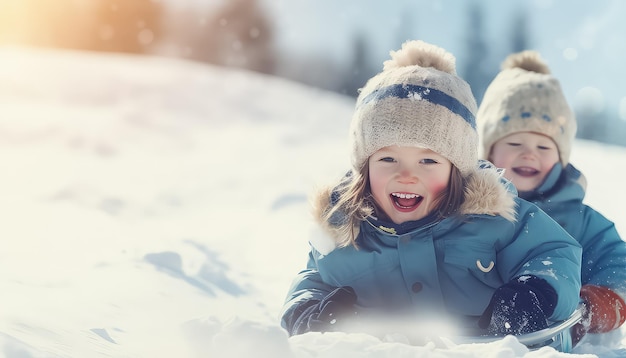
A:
525	97
417	101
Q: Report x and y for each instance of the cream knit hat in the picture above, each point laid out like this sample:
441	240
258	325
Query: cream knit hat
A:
524	97
418	101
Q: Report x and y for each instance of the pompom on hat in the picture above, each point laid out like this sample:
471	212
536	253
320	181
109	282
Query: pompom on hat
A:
417	101
525	97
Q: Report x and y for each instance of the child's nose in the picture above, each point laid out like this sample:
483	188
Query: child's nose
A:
528	152
407	176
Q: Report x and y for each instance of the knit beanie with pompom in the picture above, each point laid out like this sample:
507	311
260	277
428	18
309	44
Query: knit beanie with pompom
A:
416	101
525	97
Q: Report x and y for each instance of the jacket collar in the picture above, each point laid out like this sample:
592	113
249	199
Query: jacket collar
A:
486	193
401	229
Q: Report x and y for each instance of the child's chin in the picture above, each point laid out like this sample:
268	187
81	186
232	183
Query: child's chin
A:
525	187
523	184
407	218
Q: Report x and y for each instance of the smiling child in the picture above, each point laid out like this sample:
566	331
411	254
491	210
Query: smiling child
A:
527	128
419	229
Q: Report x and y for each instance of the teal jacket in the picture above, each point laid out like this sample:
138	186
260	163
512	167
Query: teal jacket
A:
448	266
604	252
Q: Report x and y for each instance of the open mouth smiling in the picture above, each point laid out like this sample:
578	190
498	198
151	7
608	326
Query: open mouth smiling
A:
525	171
405	202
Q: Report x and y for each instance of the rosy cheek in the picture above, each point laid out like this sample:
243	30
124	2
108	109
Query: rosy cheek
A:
438	187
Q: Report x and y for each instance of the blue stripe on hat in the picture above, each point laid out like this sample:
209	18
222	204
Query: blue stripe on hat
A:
425	93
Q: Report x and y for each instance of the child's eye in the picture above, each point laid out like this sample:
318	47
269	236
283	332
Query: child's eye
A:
514	144
387	159
543	147
428	161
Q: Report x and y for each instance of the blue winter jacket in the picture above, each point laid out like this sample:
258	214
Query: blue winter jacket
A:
450	266
604	252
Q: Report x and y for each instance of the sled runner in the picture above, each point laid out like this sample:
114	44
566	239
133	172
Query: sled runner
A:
557	335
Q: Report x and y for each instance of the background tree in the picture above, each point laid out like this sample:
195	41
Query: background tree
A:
405	29
591	114
617	132
123	25
519	33
360	68
479	68
240	36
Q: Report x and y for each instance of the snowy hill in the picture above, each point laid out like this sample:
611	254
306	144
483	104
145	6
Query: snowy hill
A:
158	208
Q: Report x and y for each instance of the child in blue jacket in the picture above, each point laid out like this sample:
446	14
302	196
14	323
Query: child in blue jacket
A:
527	128
419	230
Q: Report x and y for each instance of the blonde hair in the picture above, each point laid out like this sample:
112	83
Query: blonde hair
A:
352	202
351	207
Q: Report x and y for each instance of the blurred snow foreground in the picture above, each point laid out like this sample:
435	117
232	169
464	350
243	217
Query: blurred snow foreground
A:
154	208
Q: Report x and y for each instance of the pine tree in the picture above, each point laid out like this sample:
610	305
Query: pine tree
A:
478	70
124	25
240	35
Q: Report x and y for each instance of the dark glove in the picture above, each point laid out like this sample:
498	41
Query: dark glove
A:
604	311
326	315
520	306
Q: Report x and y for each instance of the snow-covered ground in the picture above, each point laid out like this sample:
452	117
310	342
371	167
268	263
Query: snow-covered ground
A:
158	208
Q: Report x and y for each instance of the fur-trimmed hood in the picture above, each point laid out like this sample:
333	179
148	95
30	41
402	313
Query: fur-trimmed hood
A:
486	193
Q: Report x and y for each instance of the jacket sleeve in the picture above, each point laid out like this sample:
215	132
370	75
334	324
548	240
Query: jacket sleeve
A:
604	252
549	252
307	286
